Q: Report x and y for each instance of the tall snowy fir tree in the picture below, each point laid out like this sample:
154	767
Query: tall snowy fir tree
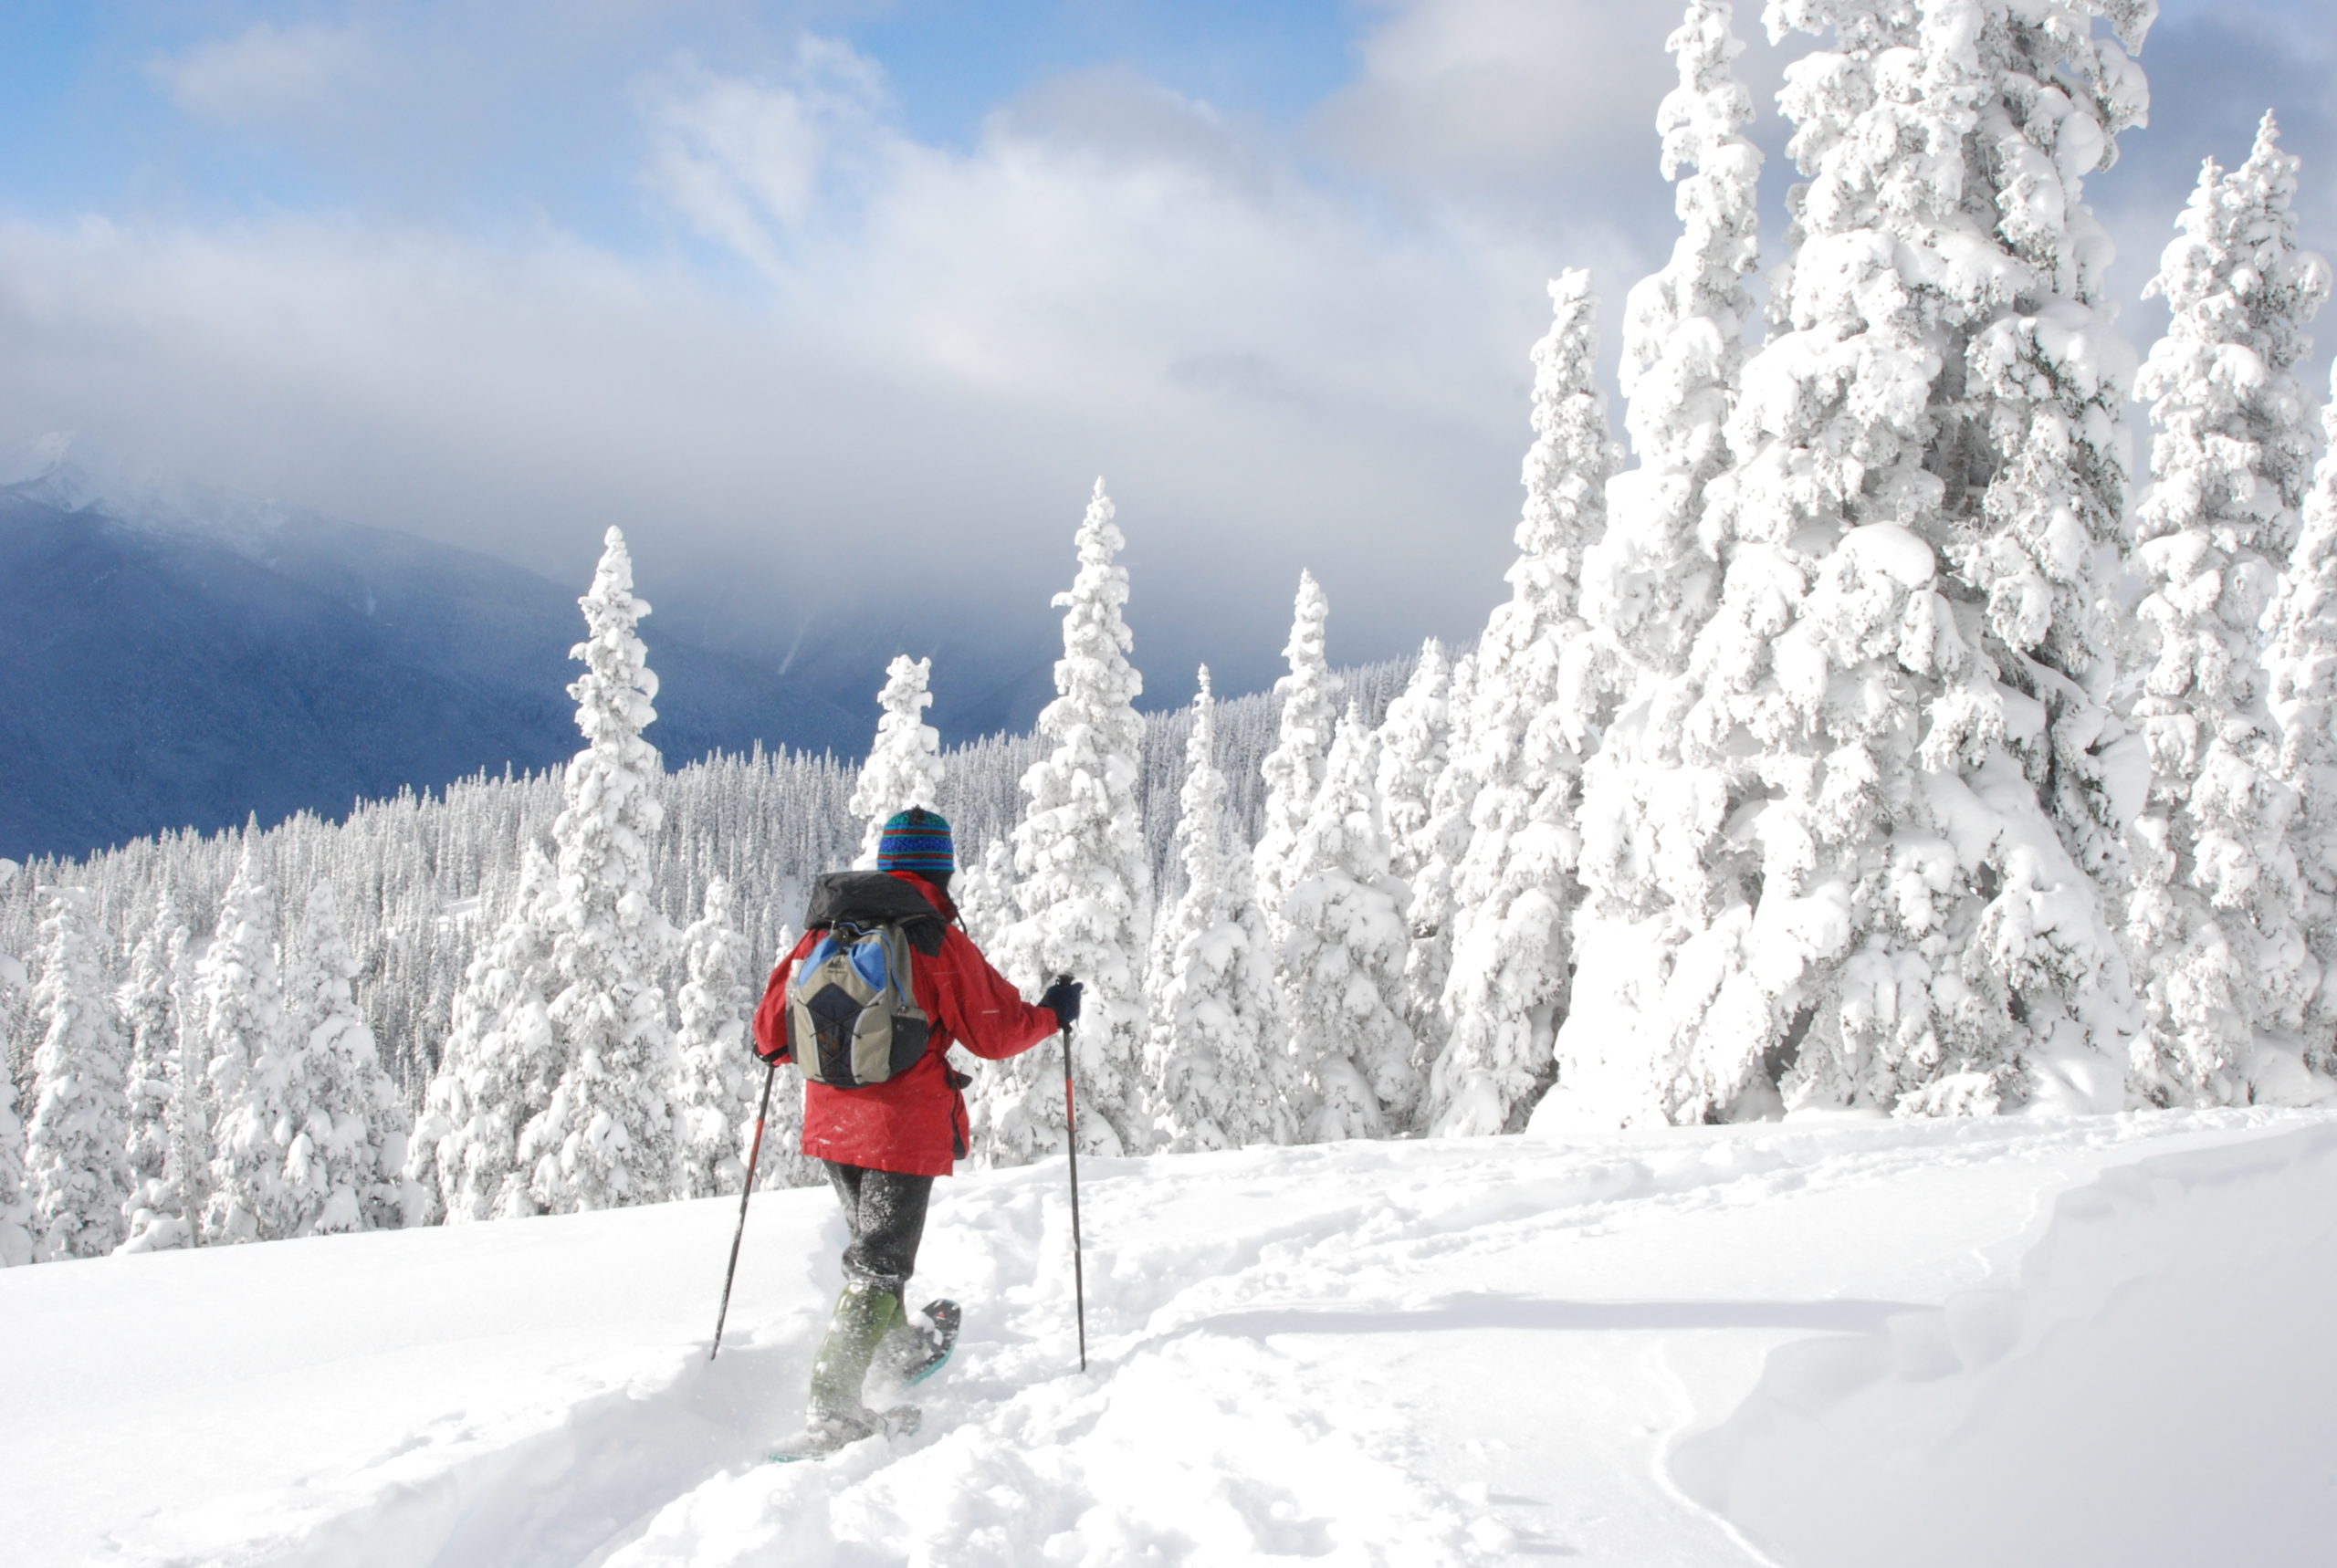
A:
497	1073
192	1108
2030	455
2033	454
1415	741
16	1191
1650	583
2301	667
1651	810
1082	882
1442	842
250	1066
1211	1057
1873	896
167	1211
607	1138
720	1081
77	1145
150	1021
1531	719
903	766
983	890
1308	700
1339	946
247	1066
1413	738
2217	952
347	1151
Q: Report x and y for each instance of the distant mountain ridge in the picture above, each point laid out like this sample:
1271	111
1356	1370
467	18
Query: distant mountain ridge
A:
180	659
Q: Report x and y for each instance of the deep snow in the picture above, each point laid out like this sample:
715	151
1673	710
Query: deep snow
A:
1840	1342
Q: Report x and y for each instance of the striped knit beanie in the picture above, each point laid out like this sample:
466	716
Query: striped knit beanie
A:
916	840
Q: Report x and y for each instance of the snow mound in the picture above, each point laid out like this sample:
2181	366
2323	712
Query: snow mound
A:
2158	1389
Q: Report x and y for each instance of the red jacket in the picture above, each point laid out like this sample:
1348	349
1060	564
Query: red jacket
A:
914	1123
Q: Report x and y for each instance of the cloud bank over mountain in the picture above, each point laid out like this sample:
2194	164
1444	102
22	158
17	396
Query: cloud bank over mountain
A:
839	308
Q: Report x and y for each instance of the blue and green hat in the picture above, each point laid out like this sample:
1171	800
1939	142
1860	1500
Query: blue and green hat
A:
916	840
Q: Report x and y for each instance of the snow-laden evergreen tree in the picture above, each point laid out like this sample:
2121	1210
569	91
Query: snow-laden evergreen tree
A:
608	1137
2300	666
346	1154
720	1080
1083	880
1414	749
1212	1056
148	1020
167	1212
497	1072
1442	842
77	1146
1651	584
250	1067
16	1191
1877	883
983	891
1339	943
2217	952
904	767
1532	717
1308	698
2032	451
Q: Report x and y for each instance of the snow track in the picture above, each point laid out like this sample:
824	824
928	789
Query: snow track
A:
1645	1350
561	1496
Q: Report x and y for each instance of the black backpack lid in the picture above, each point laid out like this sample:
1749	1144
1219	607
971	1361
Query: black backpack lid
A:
874	897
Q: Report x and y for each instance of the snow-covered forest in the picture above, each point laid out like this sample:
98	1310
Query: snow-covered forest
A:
1925	712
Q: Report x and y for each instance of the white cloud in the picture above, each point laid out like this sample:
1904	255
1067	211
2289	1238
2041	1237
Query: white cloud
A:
266	73
944	385
1508	97
933	348
736	158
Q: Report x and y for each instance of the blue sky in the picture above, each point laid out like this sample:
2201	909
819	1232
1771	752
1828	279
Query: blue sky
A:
90	118
730	273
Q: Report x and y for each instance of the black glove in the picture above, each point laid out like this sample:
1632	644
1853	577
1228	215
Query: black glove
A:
1062	1001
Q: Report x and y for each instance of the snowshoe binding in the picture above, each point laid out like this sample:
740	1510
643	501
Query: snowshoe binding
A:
916	1350
837	1429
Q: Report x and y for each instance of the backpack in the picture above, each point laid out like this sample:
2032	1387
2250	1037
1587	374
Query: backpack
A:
851	1003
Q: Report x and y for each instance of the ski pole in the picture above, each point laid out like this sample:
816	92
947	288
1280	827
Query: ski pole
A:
1071	1143
754	1159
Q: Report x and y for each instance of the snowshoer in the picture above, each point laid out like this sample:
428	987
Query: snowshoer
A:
883	1109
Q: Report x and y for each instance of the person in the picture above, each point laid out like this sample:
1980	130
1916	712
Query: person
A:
883	1144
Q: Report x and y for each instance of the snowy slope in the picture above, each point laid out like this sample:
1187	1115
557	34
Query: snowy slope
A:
1845	1342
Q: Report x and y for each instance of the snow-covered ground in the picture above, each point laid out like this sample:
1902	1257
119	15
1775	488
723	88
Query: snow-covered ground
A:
2012	1342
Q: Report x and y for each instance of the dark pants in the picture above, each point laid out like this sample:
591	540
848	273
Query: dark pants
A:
887	1213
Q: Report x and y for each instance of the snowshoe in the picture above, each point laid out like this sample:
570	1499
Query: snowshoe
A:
916	1350
840	1429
